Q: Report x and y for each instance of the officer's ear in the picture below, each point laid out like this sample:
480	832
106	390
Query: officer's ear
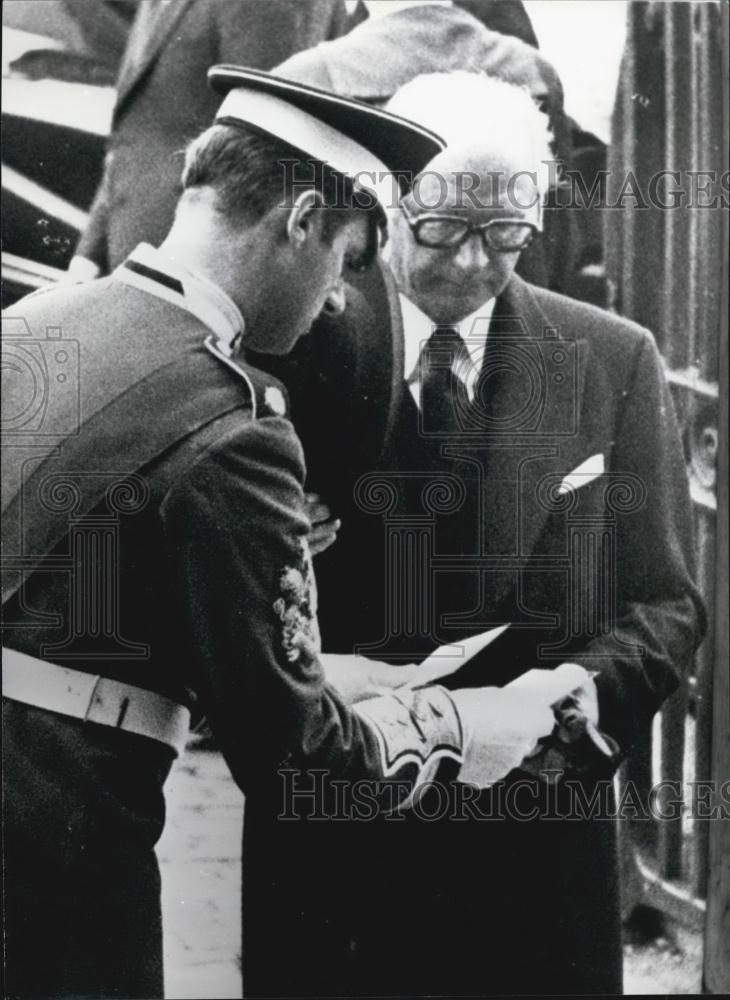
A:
305	219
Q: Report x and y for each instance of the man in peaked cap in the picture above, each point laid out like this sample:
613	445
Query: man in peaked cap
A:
156	539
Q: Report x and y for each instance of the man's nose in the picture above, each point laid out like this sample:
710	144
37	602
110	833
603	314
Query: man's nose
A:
472	255
335	302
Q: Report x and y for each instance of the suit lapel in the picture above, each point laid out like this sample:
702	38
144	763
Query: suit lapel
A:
157	34
527	428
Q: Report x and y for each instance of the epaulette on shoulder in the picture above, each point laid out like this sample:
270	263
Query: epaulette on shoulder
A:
268	396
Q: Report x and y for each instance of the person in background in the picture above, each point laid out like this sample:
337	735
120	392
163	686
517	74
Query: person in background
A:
162	103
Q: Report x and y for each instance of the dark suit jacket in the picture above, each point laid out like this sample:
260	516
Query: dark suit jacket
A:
164	101
574	382
441	539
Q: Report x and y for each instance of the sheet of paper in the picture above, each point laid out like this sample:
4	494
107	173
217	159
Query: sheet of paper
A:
551	685
445	661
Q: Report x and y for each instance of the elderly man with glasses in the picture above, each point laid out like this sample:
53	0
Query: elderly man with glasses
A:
533	478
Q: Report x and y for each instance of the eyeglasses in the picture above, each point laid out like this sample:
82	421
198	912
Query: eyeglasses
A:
441	232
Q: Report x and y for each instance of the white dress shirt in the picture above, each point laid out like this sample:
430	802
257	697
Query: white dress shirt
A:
417	328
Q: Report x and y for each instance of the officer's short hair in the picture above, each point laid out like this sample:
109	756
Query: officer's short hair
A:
252	172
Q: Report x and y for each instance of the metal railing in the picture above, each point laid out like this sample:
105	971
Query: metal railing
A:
664	265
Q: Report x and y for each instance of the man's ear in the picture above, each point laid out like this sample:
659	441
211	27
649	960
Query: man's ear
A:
305	219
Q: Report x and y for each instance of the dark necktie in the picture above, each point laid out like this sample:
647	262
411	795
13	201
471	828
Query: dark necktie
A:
442	390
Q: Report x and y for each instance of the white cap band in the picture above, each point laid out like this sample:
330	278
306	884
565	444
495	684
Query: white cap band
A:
311	135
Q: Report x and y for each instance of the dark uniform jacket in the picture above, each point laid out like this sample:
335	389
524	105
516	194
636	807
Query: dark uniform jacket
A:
445	537
163	102
153	512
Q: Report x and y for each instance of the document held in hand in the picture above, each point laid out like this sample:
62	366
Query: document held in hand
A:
588	748
547	685
444	661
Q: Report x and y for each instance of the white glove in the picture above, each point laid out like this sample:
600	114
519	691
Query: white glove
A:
500	728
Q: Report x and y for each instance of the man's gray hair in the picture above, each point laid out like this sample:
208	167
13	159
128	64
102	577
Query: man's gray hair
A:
463	106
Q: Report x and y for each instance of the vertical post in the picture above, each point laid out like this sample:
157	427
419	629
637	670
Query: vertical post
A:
706	540
716	972
674	712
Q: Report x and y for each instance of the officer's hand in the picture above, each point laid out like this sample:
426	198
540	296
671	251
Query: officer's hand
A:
500	727
324	527
357	678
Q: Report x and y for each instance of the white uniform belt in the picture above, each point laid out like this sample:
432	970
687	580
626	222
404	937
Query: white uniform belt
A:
94	699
